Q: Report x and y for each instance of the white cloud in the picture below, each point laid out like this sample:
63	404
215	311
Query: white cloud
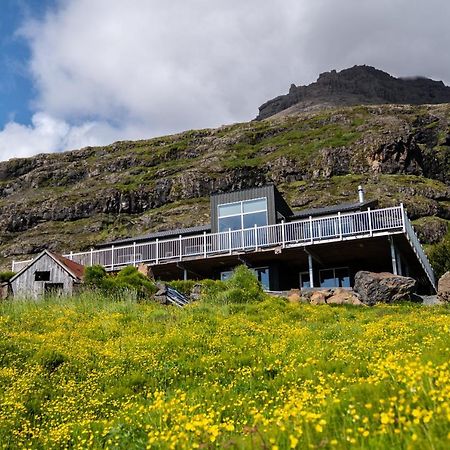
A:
142	68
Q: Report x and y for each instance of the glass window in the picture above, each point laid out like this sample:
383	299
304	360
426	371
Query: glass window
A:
254	205
230	209
258	219
304	280
327	278
225	275
232	222
342	277
262	274
242	215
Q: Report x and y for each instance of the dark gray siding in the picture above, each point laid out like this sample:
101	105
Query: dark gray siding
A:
247	194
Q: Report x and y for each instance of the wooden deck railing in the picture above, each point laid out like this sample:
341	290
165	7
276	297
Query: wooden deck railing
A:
310	231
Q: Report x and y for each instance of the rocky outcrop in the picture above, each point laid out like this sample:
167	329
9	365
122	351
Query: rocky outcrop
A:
444	288
373	288
335	296
355	86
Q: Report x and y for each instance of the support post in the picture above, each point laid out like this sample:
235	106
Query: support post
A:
71	256
112	257
404	217
92	257
393	256
13	266
340	225
134	254
157	251
229	240
185	274
311	229
370	222
311	271
204	244
283	233
181	248
256	237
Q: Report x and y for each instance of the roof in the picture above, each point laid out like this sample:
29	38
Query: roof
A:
76	269
71	267
334	209
157	235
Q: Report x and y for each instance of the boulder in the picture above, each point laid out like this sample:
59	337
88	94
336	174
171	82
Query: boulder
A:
444	288
294	296
383	287
344	297
146	271
319	297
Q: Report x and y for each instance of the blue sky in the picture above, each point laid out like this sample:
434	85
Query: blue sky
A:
89	72
16	87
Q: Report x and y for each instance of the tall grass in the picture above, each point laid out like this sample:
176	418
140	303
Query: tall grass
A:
101	372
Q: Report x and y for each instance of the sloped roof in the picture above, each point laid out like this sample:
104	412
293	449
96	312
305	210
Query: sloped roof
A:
159	234
76	269
71	267
334	209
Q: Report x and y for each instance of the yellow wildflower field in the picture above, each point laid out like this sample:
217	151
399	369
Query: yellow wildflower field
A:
89	372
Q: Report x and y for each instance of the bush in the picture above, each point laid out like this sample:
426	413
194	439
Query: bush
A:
128	279
183	286
6	276
241	287
439	256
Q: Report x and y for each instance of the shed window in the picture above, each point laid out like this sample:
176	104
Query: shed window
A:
42	275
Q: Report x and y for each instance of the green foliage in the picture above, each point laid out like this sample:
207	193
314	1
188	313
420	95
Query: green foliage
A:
439	256
241	287
89	372
128	279
183	286
6	276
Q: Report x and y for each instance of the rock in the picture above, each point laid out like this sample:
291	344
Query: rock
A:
196	292
4	290
344	297
319	297
383	287
357	85
294	296
145	270
444	288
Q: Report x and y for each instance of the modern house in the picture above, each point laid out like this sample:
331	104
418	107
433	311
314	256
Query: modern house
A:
321	247
48	273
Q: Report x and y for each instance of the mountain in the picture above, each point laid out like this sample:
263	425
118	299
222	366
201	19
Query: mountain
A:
73	200
359	85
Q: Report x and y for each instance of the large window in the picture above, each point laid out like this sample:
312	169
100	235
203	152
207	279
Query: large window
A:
242	215
338	277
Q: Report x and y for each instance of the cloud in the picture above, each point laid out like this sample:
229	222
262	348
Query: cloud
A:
107	69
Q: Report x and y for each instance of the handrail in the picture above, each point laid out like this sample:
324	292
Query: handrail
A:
304	232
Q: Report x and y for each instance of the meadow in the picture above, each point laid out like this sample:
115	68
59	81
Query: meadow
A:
96	372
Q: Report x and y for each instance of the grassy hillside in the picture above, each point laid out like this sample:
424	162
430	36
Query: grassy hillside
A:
74	200
90	372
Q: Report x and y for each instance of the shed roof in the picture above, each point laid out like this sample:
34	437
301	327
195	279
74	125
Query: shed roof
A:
71	267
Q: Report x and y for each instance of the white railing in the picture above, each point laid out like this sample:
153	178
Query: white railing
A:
291	234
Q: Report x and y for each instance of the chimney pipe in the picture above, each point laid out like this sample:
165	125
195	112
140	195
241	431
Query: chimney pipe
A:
360	194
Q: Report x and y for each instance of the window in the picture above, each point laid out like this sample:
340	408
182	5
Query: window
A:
242	215
304	280
338	277
40	275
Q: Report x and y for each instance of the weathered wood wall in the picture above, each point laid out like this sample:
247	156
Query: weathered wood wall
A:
25	285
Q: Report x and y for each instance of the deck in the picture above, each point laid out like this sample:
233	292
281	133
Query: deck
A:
307	232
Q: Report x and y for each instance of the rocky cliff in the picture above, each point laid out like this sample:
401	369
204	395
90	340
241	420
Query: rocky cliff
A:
71	201
359	85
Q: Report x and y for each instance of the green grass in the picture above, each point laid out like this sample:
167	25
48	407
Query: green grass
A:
96	372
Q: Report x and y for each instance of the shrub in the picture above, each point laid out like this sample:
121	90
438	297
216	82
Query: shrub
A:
6	276
183	286
440	256
241	287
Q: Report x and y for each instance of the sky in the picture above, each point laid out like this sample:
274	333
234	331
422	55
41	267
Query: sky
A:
78	73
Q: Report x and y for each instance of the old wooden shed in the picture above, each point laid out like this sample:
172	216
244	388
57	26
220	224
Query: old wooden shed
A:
47	273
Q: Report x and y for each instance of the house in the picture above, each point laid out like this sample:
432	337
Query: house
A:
319	247
48	273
